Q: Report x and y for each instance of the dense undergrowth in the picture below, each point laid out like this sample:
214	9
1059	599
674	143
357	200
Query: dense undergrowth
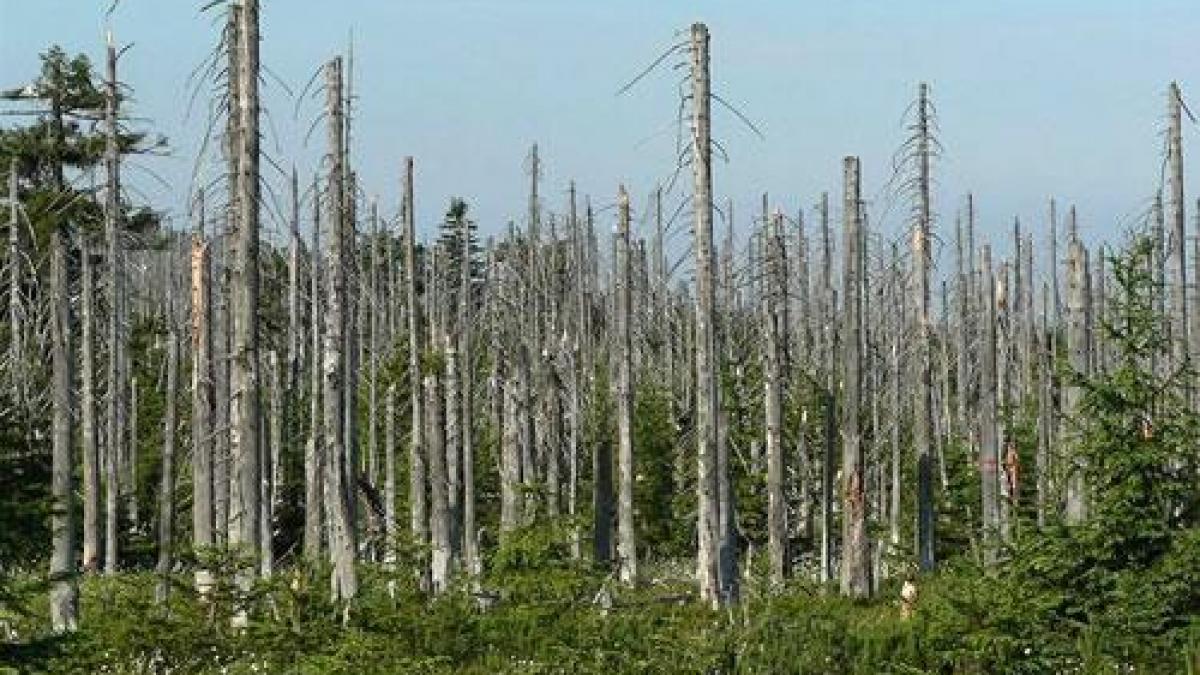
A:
540	612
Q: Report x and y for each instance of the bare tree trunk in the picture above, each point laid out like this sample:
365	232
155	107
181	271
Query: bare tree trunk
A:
16	353
115	399
453	449
417	491
64	595
166	497
856	568
1078	359
989	442
626	541
439	514
89	432
1178	242
511	506
392	529
829	354
1045	410
244	447
708	508
314	455
470	531
923	422
271	456
338	489
202	399
773	325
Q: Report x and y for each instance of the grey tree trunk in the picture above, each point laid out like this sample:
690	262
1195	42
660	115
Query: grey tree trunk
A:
989	442
314	452
626	541
470	533
829	354
773	326
1178	242
511	502
270	467
338	490
1078	360
856	559
923	418
89	432
64	595
244	447
392	529
708	508
166	496
417	491
202	399
439	513
16	353
115	398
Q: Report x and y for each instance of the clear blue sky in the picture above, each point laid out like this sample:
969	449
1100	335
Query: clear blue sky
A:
1035	97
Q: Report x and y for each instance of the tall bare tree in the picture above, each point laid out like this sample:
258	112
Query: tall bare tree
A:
856	567
64	594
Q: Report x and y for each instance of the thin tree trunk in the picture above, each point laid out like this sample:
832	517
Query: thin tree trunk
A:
244	446
314	455
989	442
166	497
338	490
439	513
773	325
1078	359
1178	242
923	422
417	491
115	399
708	509
202	400
89	432
856	567
64	595
626	541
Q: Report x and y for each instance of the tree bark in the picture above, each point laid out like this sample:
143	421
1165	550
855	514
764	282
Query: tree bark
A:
626	538
64	595
856	567
338	489
89	432
244	446
166	496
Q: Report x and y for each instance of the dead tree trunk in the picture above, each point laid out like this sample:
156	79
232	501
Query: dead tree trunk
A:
626	542
923	409
989	442
115	399
708	508
314	452
417	491
856	559
338	489
202	398
166	496
64	595
439	513
1178	242
244	447
89	432
773	325
1078	360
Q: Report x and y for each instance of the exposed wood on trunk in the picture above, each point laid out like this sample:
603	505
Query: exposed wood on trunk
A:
855	558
